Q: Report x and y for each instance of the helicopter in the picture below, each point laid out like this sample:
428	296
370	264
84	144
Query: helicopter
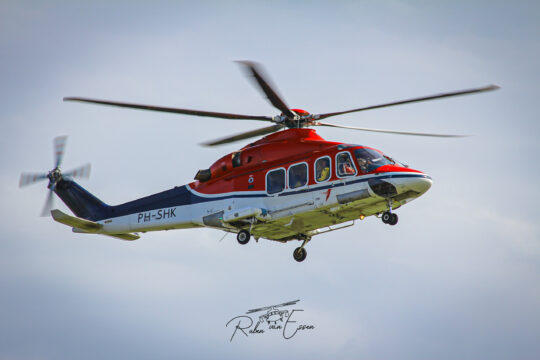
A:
288	185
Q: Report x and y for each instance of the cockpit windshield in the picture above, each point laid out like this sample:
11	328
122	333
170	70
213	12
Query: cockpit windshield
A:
370	159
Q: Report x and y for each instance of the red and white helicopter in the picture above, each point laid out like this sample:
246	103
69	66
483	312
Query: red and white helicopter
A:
290	185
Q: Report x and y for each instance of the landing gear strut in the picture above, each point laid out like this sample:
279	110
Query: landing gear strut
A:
389	217
243	237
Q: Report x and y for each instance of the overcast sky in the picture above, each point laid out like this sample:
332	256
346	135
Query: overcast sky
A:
457	278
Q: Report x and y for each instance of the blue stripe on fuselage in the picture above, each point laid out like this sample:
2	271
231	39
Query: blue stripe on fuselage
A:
182	195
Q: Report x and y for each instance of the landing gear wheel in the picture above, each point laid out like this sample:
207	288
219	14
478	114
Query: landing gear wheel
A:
393	219
300	254
387	217
243	237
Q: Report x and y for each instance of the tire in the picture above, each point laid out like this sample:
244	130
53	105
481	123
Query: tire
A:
243	237
387	217
300	254
393	220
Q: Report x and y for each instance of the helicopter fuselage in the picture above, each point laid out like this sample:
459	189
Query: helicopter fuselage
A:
289	185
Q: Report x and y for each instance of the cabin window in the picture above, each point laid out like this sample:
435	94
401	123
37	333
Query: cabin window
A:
298	175
275	181
322	169
345	165
237	159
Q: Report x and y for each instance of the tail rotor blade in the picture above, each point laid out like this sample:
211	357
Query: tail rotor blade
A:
81	172
30	178
48	203
59	147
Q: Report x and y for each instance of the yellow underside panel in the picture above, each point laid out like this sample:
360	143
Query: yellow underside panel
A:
303	223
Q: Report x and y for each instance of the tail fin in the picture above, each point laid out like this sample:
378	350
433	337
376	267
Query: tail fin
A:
81	202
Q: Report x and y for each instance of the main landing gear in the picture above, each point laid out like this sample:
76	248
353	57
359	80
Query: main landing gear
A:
300	253
389	217
243	237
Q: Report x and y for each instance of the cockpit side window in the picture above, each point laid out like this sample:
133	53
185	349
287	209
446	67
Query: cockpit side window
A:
298	175
275	181
322	169
237	159
344	164
369	159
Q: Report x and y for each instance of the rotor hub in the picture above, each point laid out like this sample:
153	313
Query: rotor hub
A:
300	119
54	176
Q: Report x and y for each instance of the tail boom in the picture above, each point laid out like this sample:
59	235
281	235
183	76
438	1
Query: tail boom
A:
162	211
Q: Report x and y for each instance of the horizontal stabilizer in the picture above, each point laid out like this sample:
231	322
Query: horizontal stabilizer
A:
88	226
124	236
85	226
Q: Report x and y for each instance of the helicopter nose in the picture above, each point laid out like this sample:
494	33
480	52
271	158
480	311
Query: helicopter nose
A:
421	184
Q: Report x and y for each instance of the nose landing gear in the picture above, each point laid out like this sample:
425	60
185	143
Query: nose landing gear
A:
388	217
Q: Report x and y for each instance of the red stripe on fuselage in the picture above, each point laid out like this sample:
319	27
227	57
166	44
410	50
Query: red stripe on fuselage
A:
278	150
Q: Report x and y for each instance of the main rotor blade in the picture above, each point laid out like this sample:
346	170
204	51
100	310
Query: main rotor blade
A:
244	135
48	203
424	98
30	178
82	171
171	110
256	71
389	131
59	147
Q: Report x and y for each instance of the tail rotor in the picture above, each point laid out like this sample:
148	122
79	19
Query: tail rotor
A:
55	175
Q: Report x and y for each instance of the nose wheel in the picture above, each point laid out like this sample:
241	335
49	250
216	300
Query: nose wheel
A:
389	218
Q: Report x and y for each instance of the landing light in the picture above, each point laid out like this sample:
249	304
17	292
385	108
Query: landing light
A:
362	216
